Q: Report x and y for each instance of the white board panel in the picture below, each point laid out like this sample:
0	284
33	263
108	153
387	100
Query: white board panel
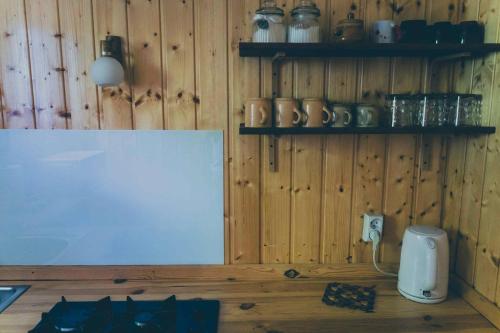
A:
111	197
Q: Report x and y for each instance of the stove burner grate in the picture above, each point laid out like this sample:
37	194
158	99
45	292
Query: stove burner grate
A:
106	316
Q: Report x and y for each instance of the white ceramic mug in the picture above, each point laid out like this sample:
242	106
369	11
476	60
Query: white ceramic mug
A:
383	32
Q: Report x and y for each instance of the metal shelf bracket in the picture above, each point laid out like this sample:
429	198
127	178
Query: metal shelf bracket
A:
436	60
273	139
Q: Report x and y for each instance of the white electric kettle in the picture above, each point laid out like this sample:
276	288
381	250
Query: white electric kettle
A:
423	270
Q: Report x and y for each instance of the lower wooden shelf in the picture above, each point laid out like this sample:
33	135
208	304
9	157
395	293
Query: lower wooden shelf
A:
463	130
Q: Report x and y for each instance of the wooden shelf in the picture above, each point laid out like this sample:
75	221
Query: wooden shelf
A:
364	49
366	130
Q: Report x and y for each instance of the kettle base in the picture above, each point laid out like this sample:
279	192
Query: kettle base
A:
425	300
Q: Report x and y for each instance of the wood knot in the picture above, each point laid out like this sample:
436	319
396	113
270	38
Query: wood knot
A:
138	292
196	100
119	281
246	306
64	114
291	273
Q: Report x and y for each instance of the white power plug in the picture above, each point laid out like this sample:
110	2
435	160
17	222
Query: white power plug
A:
373	225
372	222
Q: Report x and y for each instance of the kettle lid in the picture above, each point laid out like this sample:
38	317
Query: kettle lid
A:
426	230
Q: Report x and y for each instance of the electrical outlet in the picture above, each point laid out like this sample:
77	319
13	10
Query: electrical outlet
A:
372	222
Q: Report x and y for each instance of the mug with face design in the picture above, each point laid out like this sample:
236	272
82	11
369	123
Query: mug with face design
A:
258	112
343	115
316	113
367	115
287	112
383	31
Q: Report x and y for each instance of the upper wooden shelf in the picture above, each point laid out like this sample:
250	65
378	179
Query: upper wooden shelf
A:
364	50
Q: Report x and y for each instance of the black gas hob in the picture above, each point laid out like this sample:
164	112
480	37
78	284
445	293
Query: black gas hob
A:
106	316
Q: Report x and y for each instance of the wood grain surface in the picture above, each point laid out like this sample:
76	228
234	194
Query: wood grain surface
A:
261	306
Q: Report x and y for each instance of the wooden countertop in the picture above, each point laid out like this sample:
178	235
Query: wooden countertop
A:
285	306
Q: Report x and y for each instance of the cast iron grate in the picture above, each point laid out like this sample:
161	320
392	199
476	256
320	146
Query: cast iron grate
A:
350	296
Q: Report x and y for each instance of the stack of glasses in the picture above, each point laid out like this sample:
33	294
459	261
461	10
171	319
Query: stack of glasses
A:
433	110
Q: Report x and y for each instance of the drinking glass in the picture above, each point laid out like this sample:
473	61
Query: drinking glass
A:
402	109
465	110
433	110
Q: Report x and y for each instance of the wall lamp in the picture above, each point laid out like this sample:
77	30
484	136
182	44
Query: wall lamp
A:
107	70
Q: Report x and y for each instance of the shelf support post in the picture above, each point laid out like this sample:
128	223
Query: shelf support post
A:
273	140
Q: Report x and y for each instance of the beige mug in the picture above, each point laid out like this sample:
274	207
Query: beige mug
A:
287	112
343	115
258	112
316	113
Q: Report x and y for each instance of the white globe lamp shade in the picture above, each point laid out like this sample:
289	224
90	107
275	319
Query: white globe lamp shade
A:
107	71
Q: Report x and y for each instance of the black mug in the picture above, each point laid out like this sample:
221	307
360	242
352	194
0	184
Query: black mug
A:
470	32
443	33
413	31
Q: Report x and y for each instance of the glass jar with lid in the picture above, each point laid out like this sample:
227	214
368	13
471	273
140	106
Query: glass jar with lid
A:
304	26
268	24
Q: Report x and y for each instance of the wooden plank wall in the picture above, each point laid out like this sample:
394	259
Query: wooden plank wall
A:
473	185
184	72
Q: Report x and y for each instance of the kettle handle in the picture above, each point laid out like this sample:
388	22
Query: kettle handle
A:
430	278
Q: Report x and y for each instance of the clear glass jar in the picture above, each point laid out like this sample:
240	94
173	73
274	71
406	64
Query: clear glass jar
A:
304	26
268	24
465	110
434	109
402	109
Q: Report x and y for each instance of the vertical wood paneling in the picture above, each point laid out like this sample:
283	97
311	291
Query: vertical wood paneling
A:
455	165
276	186
452	192
178	64
15	82
307	162
430	178
427	206
470	214
370	150
78	56
46	63
211	63
487	82
244	158
110	18
398	194
399	172
338	161
145	61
